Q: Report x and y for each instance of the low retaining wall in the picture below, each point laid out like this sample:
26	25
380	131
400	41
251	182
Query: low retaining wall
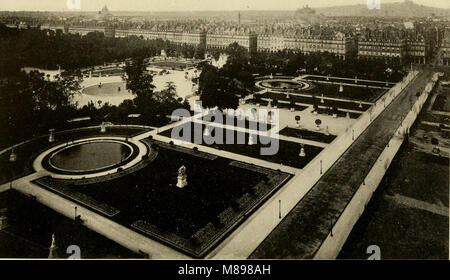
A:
332	245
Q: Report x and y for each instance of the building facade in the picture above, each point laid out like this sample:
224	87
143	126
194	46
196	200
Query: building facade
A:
370	45
445	48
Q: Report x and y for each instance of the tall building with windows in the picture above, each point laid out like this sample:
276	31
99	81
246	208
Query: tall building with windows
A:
222	41
445	48
386	44
417	48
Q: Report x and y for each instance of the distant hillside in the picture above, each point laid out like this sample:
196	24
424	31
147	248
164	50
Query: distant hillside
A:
399	9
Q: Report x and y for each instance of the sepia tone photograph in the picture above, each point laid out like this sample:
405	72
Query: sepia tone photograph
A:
224	130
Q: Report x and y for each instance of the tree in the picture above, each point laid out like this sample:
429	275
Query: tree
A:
318	123
139	82
217	90
297	120
33	104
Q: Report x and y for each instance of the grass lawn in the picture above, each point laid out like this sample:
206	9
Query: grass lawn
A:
349	92
288	152
32	225
354	105
218	195
232	120
279	104
442	103
400	232
421	176
307	134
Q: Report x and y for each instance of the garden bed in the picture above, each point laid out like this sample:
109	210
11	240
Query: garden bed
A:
220	194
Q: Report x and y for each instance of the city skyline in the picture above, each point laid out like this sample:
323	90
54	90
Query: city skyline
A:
194	5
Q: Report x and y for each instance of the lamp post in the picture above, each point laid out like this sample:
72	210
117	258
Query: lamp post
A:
279	209
12	160
331	226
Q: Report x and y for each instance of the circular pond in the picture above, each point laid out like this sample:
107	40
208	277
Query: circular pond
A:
284	84
90	156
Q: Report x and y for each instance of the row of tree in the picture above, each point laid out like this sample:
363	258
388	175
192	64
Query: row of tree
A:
47	49
326	63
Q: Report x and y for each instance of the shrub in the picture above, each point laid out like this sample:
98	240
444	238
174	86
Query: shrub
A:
235	206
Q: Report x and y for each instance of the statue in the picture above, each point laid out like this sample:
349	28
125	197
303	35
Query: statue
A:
3	219
302	151
12	156
51	137
52	250
102	128
182	177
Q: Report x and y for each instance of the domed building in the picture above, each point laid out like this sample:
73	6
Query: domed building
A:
104	14
307	15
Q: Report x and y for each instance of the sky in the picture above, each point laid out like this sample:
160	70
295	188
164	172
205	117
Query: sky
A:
190	5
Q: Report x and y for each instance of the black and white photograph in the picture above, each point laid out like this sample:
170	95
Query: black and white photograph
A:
239	130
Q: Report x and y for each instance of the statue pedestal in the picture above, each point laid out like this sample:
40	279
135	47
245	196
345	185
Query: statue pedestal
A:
302	152
51	137
103	127
12	157
182	181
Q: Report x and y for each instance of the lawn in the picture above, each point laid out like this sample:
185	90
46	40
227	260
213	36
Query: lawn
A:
232	120
356	92
279	105
348	80
307	134
32	225
288	152
400	232
421	176
441	103
220	192
353	105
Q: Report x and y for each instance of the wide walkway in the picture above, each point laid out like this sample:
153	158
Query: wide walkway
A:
304	229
